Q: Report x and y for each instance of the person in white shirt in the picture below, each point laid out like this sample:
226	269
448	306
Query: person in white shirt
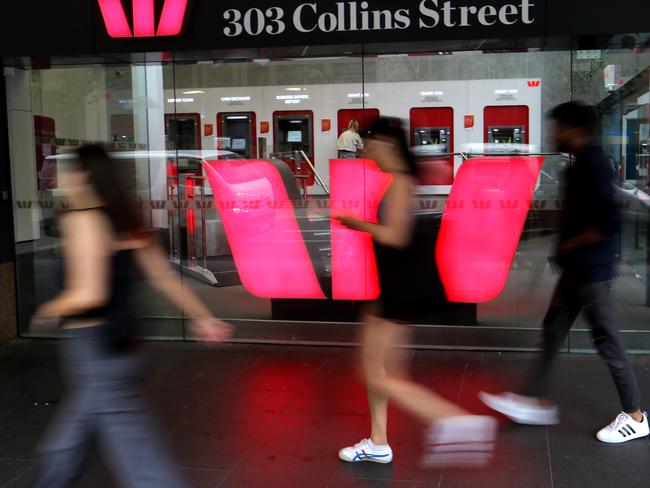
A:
350	141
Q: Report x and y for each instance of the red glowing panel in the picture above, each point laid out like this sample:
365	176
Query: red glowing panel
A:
264	127
173	15
469	121
260	222
481	225
190	214
115	18
143	18
357	186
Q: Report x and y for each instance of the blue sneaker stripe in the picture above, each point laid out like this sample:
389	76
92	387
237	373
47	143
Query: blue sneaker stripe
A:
365	455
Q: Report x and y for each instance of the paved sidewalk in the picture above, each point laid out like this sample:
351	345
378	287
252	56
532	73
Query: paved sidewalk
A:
275	416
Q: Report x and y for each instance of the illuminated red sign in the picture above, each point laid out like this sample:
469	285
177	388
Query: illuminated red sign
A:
481	225
534	83
480	230
354	273
264	236
144	21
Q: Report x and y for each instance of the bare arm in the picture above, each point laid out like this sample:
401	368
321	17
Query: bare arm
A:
155	265
86	251
397	227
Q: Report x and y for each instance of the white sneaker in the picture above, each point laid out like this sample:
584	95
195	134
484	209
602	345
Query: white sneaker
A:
624	428
460	441
521	409
366	450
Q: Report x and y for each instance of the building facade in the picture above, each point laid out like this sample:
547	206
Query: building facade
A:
226	119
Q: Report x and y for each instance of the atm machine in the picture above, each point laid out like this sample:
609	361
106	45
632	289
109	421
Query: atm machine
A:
431	134
238	131
293	142
183	131
506	128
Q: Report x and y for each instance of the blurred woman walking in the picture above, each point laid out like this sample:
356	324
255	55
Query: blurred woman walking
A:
408	289
106	248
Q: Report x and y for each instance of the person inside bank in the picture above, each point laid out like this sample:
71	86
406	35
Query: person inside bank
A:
350	142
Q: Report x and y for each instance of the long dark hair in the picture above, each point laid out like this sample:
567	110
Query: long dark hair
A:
108	180
392	127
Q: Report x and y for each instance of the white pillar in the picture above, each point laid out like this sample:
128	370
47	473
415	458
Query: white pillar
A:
149	122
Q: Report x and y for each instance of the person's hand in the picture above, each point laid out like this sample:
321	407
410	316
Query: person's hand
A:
211	329
351	222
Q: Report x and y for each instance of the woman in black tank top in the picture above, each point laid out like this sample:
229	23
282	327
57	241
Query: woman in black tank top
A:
406	270
106	249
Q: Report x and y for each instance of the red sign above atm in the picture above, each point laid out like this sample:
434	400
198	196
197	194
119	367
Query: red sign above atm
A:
144	21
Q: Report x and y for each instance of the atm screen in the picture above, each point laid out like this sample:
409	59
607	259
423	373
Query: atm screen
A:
293	132
187	165
506	135
294	136
423	137
238	144
431	135
182	132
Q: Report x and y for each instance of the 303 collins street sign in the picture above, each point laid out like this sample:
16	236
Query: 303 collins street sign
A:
203	24
71	27
365	16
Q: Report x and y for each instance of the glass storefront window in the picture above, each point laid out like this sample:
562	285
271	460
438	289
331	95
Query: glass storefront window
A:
617	82
232	157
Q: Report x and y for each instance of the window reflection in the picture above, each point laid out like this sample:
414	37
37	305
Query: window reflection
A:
178	124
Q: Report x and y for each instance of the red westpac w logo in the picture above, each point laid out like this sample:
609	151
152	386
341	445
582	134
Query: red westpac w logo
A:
144	18
534	83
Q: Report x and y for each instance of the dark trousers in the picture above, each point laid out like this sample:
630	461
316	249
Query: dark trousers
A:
595	299
103	410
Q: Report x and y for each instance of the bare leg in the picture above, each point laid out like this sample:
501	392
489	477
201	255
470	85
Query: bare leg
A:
373	352
381	335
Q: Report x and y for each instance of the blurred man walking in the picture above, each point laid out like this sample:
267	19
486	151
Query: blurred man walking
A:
586	255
